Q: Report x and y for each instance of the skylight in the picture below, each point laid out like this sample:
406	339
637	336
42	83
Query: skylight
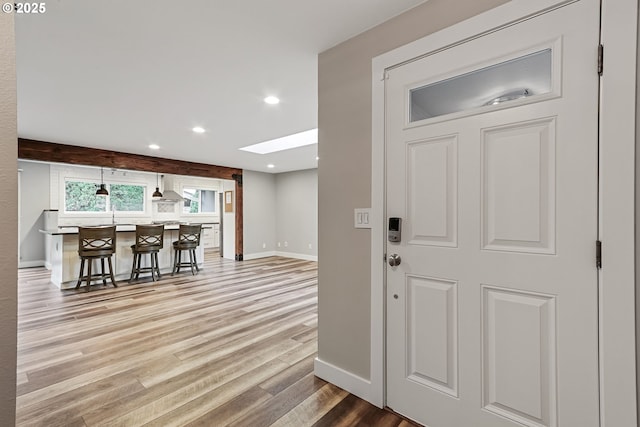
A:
285	143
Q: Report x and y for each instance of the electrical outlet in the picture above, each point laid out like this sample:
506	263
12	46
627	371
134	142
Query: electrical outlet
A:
309	245
286	244
264	245
278	244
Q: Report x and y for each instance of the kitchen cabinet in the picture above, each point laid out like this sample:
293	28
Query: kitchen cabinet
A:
211	237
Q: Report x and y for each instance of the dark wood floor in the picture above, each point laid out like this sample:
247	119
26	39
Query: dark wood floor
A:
233	345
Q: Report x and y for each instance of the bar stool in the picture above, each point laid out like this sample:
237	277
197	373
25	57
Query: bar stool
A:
96	243
188	240
149	240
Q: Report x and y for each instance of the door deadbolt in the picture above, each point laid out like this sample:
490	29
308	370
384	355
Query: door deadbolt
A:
394	260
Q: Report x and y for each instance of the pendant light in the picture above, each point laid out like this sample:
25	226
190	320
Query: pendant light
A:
157	193
102	191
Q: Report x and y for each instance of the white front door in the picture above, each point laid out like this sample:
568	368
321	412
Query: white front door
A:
492	149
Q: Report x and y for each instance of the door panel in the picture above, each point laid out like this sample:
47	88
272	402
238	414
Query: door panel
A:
519	354
518	187
492	314
433	206
433	333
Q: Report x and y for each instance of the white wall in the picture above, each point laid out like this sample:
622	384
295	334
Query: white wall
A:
34	199
259	214
297	214
8	220
61	172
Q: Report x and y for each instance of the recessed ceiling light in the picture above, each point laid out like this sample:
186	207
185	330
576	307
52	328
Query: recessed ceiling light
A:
154	146
292	141
273	100
270	166
198	129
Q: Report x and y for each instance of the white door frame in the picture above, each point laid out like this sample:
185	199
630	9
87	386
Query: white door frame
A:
617	197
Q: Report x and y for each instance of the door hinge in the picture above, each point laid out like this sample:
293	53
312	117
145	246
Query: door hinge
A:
600	59
598	254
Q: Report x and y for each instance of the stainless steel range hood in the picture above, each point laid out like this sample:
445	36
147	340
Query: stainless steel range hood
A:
169	196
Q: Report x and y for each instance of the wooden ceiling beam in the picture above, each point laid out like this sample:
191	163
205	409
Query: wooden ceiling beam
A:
29	149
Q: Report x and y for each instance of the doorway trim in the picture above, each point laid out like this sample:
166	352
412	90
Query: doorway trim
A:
617	192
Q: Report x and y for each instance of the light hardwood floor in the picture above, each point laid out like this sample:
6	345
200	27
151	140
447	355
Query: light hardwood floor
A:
233	345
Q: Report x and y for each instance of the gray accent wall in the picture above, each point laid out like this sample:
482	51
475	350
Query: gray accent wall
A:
297	213
34	199
8	220
344	175
281	214
259	213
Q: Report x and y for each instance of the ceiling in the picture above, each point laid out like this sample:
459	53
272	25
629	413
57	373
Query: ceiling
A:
121	75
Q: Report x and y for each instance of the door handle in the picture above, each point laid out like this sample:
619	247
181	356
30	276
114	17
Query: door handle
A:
394	260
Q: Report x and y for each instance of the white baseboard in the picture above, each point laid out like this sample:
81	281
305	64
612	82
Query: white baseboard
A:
352	383
297	256
257	255
29	264
48	265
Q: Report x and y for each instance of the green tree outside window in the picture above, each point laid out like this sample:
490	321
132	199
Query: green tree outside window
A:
81	197
125	197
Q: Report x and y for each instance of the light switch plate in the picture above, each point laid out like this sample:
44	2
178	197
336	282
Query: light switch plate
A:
362	218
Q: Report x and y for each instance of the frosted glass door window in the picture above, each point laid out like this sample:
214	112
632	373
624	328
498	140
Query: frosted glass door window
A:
523	77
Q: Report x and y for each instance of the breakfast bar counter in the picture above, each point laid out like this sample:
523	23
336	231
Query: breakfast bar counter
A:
64	263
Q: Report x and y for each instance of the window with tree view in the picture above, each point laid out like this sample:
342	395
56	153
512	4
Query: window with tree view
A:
126	197
80	196
198	201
